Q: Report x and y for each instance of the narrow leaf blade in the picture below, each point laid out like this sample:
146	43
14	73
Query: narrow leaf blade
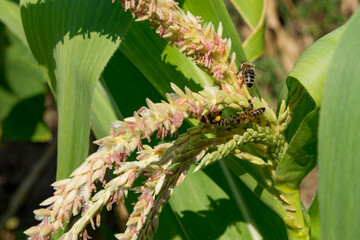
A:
314	213
254	15
103	111
250	12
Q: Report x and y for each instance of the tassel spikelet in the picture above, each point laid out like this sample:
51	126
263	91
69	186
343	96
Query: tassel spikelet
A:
165	166
203	44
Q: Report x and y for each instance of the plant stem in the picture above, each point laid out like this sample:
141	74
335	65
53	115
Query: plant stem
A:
297	224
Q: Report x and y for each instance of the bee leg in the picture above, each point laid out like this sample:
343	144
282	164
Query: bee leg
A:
204	119
251	104
240	69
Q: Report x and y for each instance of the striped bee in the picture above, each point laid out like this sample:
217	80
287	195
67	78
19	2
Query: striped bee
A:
246	116
239	118
247	70
216	119
256	112
220	122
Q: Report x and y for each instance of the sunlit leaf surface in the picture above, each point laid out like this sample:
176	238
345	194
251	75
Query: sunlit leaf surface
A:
339	139
73	47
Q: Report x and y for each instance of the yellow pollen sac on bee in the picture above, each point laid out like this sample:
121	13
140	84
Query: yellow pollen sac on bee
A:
217	118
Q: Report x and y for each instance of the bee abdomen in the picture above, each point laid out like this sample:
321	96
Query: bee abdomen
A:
249	76
257	112
222	123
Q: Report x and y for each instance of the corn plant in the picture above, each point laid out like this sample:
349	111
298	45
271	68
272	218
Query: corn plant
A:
229	165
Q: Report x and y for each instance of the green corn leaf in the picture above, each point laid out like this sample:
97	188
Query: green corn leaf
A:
22	93
254	45
303	107
73	48
339	139
23	84
103	111
8	101
208	214
300	157
254	15
312	67
250	12
128	87
114	98
260	190
169	227
10	16
23	76
160	63
315	231
306	81
34	129
220	214
258	208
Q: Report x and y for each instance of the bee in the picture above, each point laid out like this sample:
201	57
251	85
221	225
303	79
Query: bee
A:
247	70
220	122
239	118
216	119
253	114
247	115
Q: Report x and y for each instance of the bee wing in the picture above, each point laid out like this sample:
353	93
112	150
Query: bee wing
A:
261	69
